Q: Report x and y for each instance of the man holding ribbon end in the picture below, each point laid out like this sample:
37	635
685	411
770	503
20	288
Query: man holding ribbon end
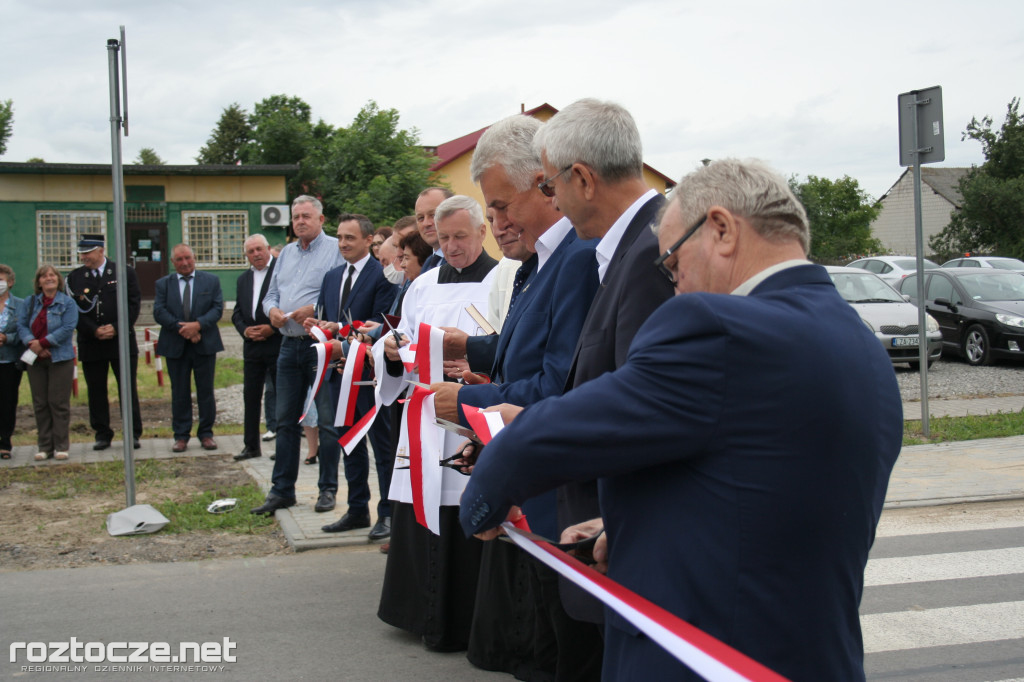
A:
744	456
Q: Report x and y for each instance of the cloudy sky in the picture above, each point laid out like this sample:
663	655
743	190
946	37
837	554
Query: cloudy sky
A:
811	87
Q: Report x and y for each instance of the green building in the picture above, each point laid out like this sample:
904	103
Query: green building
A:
46	207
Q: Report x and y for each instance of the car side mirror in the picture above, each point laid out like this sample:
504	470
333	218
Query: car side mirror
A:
906	297
945	303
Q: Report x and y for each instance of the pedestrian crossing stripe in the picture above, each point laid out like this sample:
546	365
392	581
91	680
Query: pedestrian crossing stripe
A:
974	624
952	566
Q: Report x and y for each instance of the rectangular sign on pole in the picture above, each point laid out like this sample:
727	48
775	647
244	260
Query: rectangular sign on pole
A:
929	145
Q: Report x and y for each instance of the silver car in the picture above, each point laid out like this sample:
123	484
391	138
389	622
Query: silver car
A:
994	262
887	314
891	268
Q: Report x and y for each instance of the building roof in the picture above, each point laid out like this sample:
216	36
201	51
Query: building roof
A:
453	149
944	181
10	168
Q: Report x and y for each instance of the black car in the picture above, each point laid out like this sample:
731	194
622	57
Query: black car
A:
979	310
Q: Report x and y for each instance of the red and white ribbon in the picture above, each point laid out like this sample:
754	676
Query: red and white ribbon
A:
345	414
422	435
323	359
486	425
354	362
709	657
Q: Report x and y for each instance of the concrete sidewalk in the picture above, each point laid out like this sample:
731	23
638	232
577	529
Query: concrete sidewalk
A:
944	473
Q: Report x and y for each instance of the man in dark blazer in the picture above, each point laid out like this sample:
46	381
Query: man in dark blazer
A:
530	362
187	307
605	196
359	289
94	288
261	341
743	450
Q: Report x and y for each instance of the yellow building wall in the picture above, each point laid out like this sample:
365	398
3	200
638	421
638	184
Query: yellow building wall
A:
179	188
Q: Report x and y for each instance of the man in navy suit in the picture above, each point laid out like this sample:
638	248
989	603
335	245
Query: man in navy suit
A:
359	288
743	450
530	362
593	164
261	342
187	307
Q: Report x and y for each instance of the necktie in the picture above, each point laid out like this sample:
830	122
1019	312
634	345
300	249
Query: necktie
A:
522	274
346	289
186	299
96	274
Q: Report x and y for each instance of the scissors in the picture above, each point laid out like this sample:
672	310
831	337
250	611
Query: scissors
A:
446	462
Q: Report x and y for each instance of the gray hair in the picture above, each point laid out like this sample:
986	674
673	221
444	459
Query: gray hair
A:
748	188
509	144
306	199
256	237
460	202
599	134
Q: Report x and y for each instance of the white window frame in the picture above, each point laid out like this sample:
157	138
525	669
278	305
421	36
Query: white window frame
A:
212	243
58	233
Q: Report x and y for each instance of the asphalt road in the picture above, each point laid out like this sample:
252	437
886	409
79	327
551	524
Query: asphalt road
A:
304	616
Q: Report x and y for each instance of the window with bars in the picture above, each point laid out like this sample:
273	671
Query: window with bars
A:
58	232
216	238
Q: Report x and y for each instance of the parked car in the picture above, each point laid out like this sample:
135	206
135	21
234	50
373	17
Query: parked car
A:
887	314
997	262
891	268
979	310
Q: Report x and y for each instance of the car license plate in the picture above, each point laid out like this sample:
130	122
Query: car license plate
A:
905	341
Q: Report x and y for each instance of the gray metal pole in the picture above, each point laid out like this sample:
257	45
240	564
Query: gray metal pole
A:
124	325
922	329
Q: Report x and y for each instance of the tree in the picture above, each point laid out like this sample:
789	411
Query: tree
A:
989	219
840	214
36	159
149	157
375	168
228	138
6	123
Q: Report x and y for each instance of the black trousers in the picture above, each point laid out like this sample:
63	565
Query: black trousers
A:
10	381
254	375
181	371
95	372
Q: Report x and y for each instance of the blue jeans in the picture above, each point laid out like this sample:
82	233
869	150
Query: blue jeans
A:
296	364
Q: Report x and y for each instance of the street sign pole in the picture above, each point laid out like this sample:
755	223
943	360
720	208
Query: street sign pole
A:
121	254
922	140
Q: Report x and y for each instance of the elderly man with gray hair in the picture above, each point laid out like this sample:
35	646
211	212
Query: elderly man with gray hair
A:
290	299
261	342
743	450
430	580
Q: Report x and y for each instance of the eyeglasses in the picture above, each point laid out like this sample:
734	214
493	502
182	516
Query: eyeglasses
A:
545	186
659	262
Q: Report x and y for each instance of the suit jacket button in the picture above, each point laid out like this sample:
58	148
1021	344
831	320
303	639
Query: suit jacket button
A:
481	512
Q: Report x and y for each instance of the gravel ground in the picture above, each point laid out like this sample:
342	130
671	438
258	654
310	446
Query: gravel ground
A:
954	378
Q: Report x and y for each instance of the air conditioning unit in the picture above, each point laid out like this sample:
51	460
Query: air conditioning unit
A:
274	215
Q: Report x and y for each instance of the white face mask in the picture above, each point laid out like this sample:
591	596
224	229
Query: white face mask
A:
392	275
3	287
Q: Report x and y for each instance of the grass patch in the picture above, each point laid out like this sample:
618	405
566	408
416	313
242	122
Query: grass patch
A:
945	429
71	480
192	515
161	480
228	373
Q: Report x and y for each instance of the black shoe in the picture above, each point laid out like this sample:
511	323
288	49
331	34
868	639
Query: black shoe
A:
347	522
273	457
312	458
137	444
247	454
381	529
325	502
272	504
101	445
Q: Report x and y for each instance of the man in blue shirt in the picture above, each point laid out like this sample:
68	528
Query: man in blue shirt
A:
291	298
